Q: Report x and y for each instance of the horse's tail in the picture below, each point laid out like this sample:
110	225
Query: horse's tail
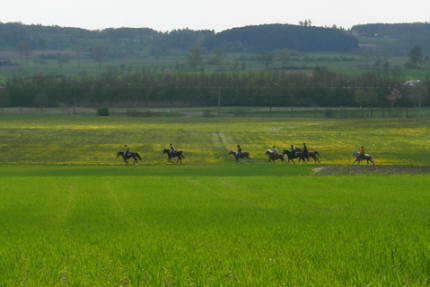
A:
180	154
317	153
138	156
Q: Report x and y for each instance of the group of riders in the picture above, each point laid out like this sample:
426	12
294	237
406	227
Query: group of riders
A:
275	152
293	153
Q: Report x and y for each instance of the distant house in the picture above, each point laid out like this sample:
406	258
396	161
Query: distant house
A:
412	83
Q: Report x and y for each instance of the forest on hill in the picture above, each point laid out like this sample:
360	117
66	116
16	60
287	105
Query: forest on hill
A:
126	41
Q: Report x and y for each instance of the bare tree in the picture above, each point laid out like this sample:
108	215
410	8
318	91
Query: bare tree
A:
78	51
25	50
99	55
394	96
195	57
284	58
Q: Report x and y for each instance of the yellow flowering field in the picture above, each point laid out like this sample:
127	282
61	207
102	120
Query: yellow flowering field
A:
91	140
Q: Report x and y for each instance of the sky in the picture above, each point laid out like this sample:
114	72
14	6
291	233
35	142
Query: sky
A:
218	15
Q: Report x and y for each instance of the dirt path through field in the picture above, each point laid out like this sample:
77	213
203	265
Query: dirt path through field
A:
352	170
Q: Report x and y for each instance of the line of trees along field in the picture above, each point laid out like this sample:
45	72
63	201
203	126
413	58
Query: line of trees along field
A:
262	88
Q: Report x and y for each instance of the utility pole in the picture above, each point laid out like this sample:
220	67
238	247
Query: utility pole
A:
271	103
271	100
219	102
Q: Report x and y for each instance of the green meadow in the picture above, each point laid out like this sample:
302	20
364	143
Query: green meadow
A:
72	214
225	225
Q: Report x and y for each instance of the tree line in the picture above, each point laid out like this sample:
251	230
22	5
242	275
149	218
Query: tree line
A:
261	88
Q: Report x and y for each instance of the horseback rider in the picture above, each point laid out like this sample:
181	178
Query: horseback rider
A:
239	150
362	153
275	152
293	151
172	149
127	151
305	150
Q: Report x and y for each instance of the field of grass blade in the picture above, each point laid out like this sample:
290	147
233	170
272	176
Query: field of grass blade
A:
246	225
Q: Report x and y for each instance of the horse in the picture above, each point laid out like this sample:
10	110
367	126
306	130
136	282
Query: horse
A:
311	154
178	154
314	155
359	157
290	156
133	155
273	156
242	155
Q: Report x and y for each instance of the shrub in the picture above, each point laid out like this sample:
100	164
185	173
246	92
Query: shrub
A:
329	113
103	111
137	113
208	113
238	113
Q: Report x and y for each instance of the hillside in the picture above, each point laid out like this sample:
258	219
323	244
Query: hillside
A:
278	36
394	39
126	41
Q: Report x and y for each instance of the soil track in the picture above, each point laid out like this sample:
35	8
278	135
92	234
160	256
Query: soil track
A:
356	169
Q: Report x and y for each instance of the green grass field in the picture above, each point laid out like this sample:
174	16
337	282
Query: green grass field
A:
229	225
352	64
71	214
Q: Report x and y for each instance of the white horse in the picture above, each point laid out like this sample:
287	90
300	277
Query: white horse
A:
359	157
273	156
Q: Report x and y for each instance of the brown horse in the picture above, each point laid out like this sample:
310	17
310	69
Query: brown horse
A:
315	155
291	157
178	154
133	155
242	155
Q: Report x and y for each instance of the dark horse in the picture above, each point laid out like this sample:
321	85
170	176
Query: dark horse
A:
359	157
133	155
290	156
311	154
178	154
242	155
274	157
